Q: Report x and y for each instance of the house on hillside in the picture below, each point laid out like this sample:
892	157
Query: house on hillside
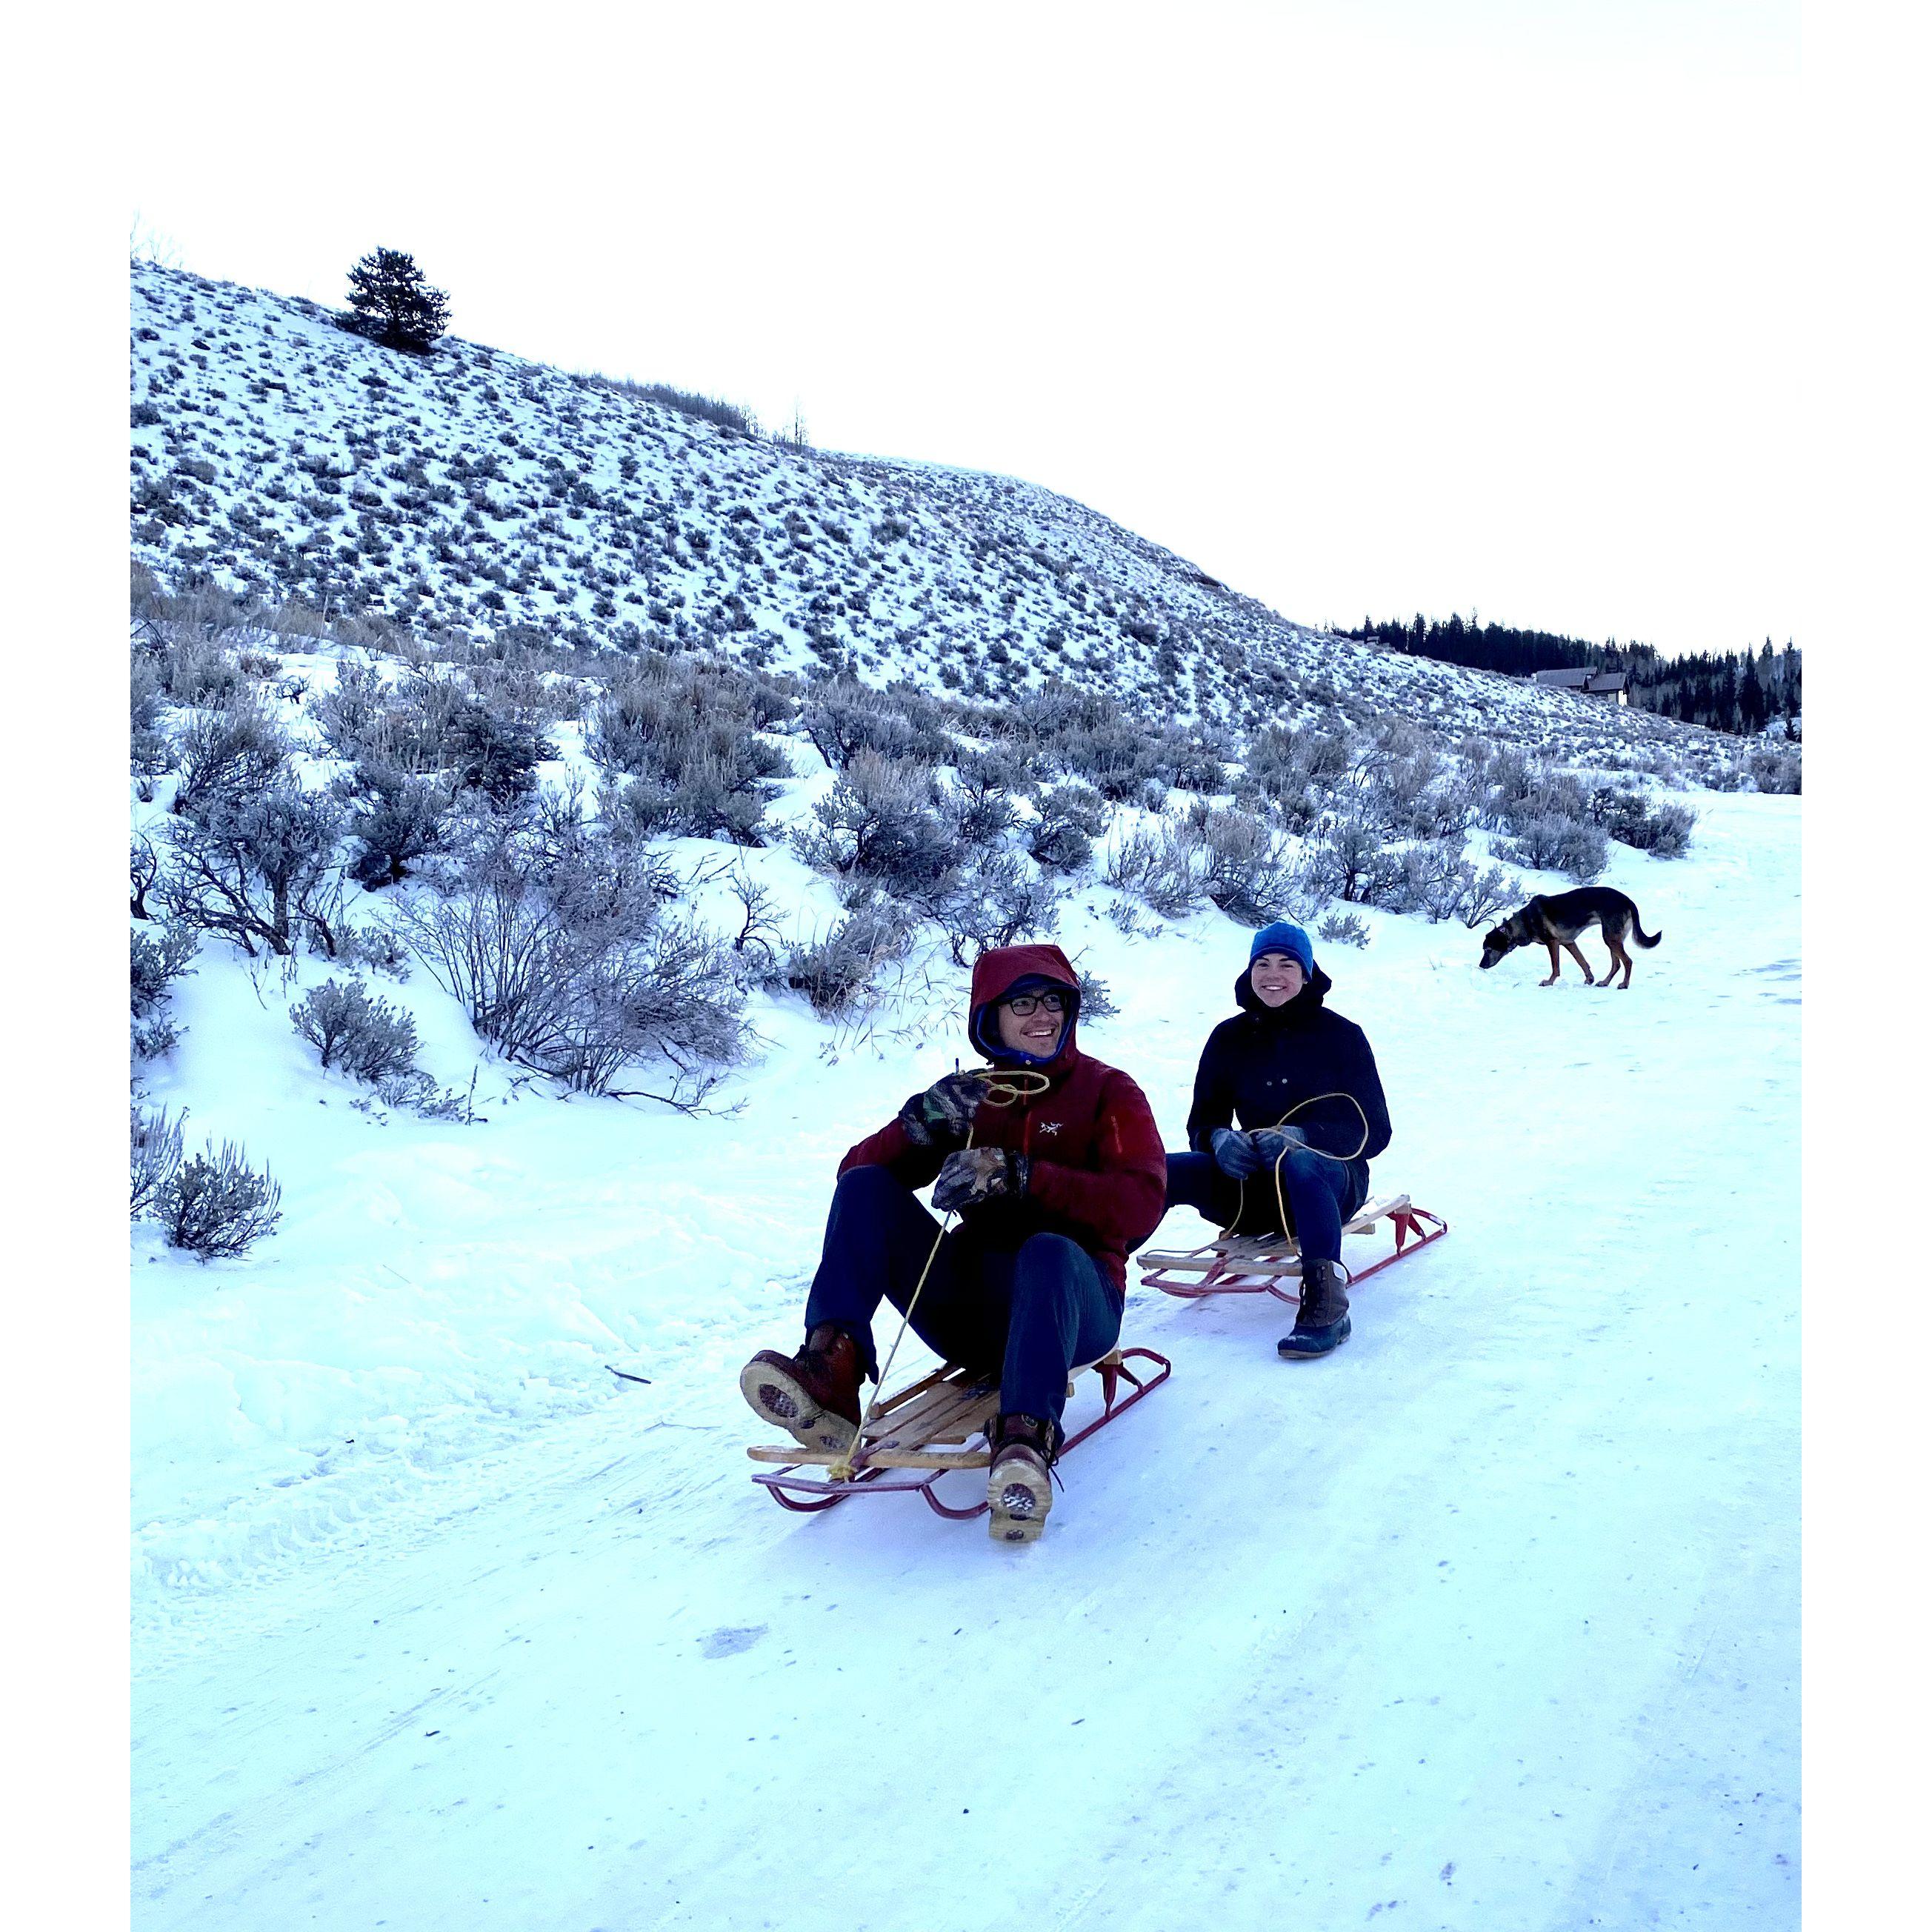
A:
1610	684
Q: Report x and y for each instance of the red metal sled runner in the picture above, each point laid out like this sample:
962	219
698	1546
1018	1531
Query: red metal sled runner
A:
1262	1264
909	1442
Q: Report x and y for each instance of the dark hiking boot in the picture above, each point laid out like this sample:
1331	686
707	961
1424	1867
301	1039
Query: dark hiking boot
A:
1321	1323
814	1395
1019	1485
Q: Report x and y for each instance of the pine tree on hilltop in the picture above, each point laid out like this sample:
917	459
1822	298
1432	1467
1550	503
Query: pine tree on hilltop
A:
390	302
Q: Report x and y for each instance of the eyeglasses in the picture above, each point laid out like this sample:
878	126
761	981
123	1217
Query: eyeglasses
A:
1027	1004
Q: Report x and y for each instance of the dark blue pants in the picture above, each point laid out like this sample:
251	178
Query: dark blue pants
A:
1032	1313
1321	1195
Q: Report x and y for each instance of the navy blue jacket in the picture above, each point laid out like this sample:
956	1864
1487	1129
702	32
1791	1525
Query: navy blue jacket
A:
1267	1060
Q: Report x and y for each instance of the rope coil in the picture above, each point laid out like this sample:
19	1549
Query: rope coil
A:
1003	1089
1280	1201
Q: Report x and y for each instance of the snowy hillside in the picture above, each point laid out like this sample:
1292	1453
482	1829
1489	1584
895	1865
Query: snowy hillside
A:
476	491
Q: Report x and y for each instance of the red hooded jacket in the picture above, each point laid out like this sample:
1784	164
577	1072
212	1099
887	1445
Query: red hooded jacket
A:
1096	1170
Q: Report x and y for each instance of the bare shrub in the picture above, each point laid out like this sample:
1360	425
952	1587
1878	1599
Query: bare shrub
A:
495	754
423	1097
1552	844
1521	792
216	1205
1114	754
993	900
1097	996
845	720
1423	878
257	868
1342	856
144	868
1342	928
234	749
296	619
879	823
1191	761
1420	798
1071	817
195	670
666	994
149	753
688	740
155	962
368	1039
560	946
375	946
1244	868
1488	893
1665	833
1157	863
154	1154
1627	817
757	926
427	723
349	712
686	402
837	972
1296	769
1775	771
402	819
983	804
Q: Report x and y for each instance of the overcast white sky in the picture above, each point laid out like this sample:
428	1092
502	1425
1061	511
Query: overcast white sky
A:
1368	308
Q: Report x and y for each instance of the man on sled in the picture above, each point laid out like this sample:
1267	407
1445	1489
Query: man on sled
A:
1055	1165
1302	1081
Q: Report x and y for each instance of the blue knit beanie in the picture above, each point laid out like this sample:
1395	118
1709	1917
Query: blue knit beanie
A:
1281	937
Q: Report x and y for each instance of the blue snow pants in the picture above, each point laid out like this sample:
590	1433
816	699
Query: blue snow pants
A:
1321	1195
1032	1313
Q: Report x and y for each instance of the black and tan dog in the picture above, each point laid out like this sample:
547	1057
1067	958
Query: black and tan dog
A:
1557	921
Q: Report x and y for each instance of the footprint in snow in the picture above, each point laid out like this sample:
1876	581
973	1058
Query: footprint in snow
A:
729	1643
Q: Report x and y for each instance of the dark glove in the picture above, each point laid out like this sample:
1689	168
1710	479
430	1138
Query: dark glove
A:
943	1115
1271	1143
978	1175
1235	1153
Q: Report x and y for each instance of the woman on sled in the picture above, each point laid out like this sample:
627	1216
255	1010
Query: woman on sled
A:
1302	1082
1054	1164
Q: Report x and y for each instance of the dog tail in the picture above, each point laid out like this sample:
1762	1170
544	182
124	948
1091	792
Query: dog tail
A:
1642	938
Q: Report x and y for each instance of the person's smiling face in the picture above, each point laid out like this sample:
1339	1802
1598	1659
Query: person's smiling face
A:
1276	977
1031	1023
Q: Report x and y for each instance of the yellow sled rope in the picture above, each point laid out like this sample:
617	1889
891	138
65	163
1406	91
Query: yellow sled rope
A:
1003	1090
1281	1205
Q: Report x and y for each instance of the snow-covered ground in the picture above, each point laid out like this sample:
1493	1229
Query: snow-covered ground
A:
1491	1620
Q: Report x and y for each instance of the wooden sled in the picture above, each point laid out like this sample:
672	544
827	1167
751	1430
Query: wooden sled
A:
1261	1264
939	1424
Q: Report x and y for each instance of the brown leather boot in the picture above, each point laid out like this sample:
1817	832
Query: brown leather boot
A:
1019	1484
814	1395
1321	1323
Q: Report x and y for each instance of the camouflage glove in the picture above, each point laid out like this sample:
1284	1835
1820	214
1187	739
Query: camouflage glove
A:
1235	1153
943	1115
979	1175
1271	1143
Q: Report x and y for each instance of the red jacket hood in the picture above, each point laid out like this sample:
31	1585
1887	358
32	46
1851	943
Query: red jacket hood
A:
994	972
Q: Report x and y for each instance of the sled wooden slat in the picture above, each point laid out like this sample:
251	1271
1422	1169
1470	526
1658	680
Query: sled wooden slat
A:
1271	1264
949	1406
946	1406
1205	1261
876	1459
956	1425
1373	1211
1279	1248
